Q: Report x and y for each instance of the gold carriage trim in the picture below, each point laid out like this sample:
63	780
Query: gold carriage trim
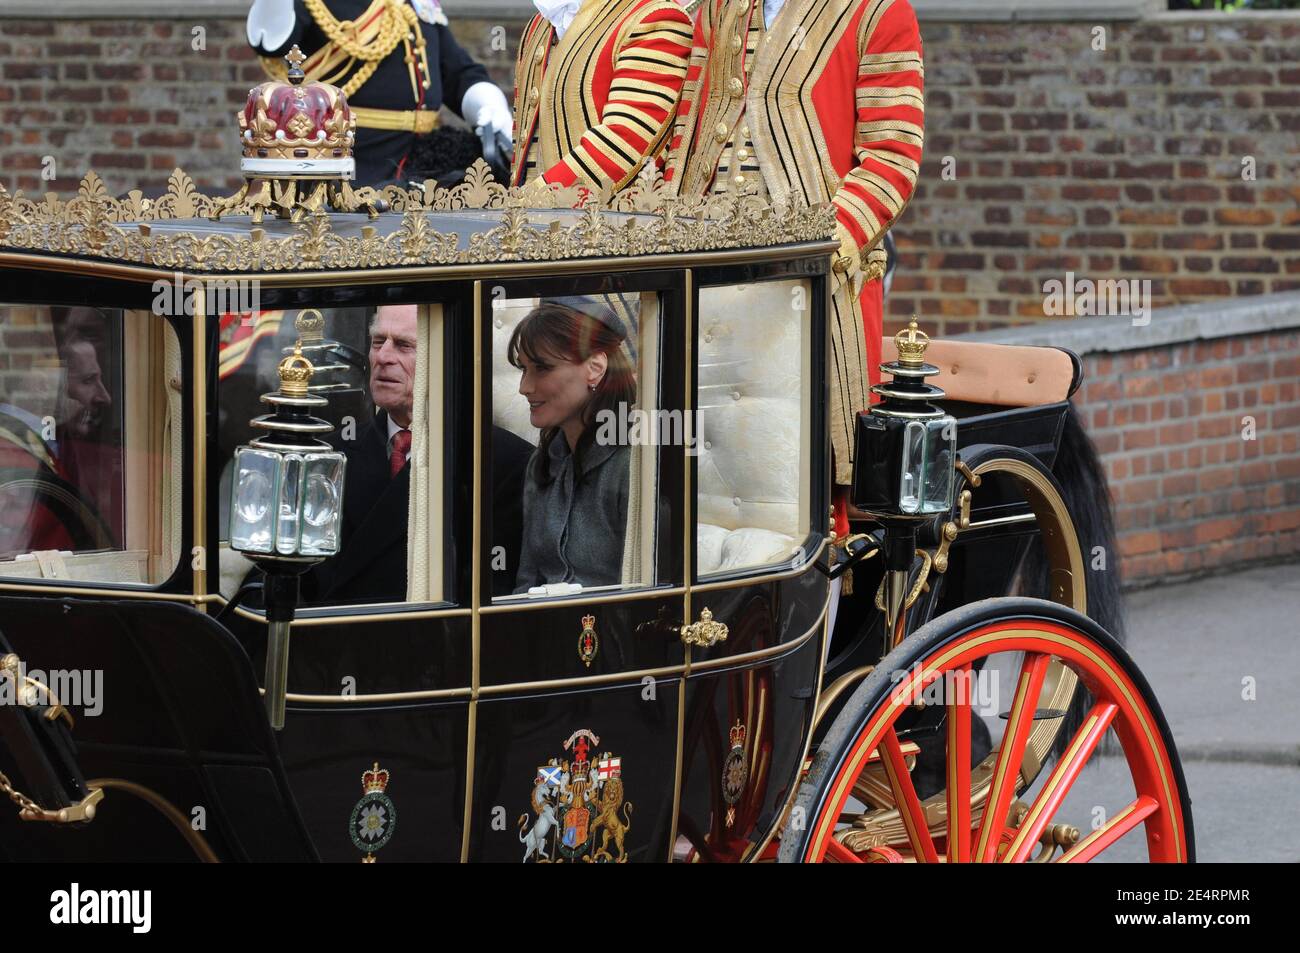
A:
95	224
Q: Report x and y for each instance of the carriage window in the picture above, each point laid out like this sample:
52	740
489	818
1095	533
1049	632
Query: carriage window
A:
379	370
90	445
753	350
575	444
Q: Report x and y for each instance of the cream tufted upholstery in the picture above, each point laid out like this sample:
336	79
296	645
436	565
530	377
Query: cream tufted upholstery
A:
509	408
751	355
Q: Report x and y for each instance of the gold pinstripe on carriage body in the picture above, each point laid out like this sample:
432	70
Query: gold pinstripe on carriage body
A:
688	402
476	570
199	446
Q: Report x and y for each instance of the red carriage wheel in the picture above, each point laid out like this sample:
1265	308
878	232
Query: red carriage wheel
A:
977	816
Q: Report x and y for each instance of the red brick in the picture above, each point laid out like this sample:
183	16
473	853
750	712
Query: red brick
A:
1212	530
1283	417
1134	544
1211	428
1145	386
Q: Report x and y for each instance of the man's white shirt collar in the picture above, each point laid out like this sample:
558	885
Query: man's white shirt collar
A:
770	9
559	12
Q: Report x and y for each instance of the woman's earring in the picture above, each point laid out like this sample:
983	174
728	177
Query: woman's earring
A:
592	388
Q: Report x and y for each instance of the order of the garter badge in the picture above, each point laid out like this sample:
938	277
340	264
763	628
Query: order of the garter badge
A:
578	809
375	817
735	771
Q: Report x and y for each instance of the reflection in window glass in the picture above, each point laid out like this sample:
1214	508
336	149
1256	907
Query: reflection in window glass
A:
753	353
574	451
372	364
90	408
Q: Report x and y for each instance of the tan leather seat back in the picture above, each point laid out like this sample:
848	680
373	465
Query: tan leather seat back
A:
1001	374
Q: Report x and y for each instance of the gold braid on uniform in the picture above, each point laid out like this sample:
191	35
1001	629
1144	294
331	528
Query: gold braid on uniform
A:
400	23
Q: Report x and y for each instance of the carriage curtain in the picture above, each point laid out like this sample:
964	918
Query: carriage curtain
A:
639	542
424	576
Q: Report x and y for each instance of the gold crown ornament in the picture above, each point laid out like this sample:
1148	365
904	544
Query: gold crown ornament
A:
295	373
310	325
297	138
911	343
297	128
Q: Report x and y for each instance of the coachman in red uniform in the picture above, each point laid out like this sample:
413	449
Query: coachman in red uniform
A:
597	86
816	101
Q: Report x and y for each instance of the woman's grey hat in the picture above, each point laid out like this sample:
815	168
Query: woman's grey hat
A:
618	312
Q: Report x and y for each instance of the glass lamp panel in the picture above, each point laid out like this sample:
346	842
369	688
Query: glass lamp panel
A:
290	502
322	503
913	475
941	451
253	499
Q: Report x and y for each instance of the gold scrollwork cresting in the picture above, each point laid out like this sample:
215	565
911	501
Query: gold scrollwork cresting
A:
643	219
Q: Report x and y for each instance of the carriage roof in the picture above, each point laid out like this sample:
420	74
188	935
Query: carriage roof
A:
475	228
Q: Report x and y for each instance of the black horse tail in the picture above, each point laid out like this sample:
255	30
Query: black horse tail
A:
1079	472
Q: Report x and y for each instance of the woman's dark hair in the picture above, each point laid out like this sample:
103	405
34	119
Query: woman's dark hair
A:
553	331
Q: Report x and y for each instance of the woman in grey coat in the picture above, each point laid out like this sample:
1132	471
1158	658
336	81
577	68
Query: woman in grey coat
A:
576	372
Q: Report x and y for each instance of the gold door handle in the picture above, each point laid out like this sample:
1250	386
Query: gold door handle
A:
704	633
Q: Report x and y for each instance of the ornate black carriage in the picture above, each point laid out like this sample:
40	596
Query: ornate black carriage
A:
697	710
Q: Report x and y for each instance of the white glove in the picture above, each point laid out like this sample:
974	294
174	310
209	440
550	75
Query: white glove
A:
485	105
269	24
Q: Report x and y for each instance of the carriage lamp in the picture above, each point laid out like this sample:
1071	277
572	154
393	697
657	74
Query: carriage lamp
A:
286	508
905	452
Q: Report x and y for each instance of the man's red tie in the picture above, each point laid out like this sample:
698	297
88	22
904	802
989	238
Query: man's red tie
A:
401	447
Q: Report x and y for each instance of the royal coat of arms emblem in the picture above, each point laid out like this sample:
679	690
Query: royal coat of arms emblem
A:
579	811
374	819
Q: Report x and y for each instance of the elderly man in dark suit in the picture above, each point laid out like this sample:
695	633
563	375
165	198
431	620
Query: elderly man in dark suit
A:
371	566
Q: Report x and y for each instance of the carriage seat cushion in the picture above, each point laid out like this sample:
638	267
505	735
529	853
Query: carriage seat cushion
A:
719	549
1000	374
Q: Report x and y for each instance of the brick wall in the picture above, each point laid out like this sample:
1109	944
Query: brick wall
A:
1125	162
1118	163
29	370
1196	484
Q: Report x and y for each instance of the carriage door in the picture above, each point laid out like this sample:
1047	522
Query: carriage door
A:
760	524
578	664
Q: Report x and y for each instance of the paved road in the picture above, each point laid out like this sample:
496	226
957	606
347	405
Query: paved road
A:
1203	645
